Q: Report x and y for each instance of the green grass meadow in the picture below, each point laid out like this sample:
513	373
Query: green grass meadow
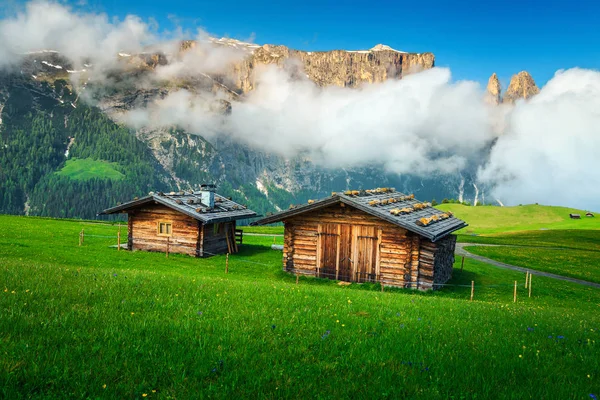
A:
83	169
94	322
492	219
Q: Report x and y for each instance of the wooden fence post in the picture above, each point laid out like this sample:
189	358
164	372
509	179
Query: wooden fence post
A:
227	263
472	289
82	236
462	264
168	244
526	278
515	295
297	277
79	238
529	285
119	239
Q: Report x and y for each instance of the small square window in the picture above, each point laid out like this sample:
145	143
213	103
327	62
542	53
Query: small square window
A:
164	228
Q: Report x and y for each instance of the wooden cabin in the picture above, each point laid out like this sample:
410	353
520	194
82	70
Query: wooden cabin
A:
574	216
589	214
376	235
198	223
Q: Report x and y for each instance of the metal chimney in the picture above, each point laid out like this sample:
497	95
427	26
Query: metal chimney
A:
207	195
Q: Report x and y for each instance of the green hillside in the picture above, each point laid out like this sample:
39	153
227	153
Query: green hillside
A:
87	168
492	219
94	322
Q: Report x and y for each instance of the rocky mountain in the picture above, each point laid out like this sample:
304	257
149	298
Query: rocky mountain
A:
48	87
521	86
493	95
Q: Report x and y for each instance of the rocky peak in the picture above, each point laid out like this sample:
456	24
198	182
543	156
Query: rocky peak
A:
493	90
522	86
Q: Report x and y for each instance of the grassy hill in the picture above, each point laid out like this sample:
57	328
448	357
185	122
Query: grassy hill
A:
87	168
492	219
95	322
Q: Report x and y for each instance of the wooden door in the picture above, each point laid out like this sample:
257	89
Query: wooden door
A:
345	254
328	250
334	249
365	254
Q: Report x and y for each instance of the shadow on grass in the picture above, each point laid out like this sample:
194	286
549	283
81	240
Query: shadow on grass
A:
247	250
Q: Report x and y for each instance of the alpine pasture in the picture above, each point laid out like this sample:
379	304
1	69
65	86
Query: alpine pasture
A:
93	322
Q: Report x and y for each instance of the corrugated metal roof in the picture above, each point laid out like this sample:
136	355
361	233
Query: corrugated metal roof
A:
433	231
190	203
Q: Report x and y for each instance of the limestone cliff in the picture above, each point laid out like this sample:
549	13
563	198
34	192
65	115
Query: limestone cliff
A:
337	67
493	91
522	86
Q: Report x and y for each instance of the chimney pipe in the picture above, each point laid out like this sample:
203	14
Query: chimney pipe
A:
207	195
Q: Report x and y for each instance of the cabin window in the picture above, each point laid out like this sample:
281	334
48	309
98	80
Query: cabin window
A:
164	228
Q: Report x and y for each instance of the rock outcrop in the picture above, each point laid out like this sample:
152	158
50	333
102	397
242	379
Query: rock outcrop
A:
493	92
337	67
522	86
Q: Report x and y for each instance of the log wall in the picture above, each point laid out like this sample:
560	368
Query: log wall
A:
142	232
341	242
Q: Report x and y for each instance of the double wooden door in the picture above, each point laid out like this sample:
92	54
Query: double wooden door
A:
348	252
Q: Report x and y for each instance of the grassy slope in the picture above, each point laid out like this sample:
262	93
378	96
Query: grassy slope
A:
490	219
86	168
78	318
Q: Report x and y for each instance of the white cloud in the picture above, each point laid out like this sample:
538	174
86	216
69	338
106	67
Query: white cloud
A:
549	152
78	36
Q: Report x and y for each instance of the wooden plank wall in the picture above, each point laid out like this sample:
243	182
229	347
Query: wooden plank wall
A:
215	238
398	251
143	230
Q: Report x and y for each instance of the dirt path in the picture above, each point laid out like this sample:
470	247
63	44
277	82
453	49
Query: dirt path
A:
460	251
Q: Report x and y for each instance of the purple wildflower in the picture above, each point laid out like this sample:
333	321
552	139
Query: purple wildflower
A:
325	334
114	274
560	337
273	327
529	328
199	312
593	396
549	336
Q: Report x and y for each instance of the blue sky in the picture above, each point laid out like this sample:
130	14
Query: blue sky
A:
473	38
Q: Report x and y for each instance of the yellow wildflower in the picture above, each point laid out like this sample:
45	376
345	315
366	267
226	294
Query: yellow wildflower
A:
104	386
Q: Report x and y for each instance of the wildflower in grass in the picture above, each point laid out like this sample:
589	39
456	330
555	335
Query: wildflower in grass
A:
349	301
560	337
593	396
132	313
325	334
520	355
104	386
199	312
144	394
273	327
114	274
529	328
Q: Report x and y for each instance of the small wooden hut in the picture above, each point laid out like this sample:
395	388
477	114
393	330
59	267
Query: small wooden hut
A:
198	223
375	235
